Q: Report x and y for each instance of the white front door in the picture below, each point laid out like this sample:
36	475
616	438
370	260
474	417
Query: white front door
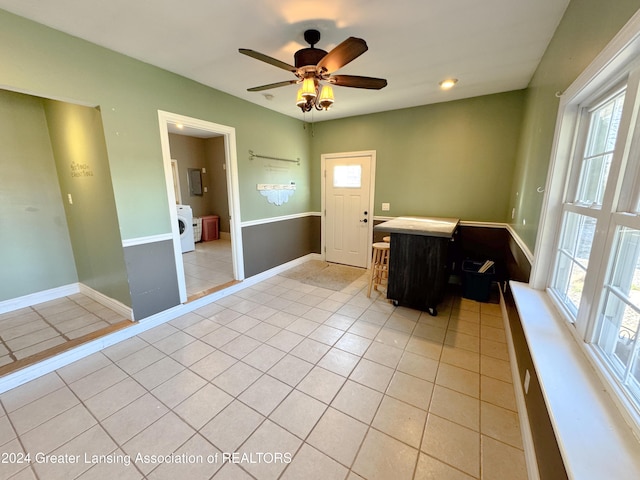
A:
347	203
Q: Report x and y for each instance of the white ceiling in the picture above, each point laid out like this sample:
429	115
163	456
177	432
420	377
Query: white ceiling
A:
491	46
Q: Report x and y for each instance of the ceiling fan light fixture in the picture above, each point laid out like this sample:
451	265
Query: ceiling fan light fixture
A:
326	97
309	88
448	83
300	100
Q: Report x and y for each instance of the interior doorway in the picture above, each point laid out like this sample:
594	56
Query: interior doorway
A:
348	182
174	123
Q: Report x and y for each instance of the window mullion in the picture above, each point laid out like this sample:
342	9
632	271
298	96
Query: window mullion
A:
627	147
577	155
632	360
586	210
590	295
625	219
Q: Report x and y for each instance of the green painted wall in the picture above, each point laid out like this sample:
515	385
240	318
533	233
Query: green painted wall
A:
129	93
83	172
452	159
585	29
267	139
35	248
217	177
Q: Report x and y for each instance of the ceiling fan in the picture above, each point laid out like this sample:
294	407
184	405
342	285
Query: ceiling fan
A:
313	65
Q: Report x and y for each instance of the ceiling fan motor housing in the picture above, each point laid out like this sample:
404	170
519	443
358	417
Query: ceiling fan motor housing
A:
308	56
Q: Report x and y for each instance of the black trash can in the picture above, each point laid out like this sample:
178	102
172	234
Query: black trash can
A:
476	285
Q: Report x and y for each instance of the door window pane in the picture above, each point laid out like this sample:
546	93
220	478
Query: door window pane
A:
604	122
347	176
617	337
573	259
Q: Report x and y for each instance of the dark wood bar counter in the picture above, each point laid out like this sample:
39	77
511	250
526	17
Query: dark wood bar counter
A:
419	260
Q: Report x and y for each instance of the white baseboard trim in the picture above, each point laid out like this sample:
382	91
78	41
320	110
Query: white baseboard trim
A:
108	302
15	379
285	266
525	427
38	297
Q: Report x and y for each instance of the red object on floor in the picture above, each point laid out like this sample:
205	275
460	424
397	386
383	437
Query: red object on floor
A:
210	227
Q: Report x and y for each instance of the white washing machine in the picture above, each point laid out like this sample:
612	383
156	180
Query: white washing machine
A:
185	227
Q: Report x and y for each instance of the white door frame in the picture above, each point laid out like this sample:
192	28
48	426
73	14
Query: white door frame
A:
323	200
176	180
231	162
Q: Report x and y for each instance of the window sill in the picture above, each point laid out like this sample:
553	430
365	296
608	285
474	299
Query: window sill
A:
594	440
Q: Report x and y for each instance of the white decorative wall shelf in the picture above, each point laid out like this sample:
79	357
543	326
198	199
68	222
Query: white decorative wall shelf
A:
276	193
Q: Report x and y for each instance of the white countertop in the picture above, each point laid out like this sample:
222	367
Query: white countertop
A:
428	226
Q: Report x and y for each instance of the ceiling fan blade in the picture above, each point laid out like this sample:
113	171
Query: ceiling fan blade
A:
271	85
358	82
342	54
267	59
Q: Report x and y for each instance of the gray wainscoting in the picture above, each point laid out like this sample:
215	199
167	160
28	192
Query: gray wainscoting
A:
271	244
153	279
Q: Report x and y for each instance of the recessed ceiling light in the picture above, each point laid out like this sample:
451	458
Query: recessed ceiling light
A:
448	83
180	126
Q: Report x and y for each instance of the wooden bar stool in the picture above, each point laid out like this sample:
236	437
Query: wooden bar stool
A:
379	266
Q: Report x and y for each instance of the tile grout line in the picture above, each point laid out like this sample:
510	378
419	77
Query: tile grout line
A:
60	334
98	422
294	387
169	410
10	352
347	378
426	420
17	437
304	441
52	325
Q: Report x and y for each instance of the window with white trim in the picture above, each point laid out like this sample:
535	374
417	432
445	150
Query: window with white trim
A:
617	329
595	275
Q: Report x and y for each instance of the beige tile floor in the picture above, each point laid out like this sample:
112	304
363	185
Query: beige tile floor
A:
32	330
208	266
287	381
